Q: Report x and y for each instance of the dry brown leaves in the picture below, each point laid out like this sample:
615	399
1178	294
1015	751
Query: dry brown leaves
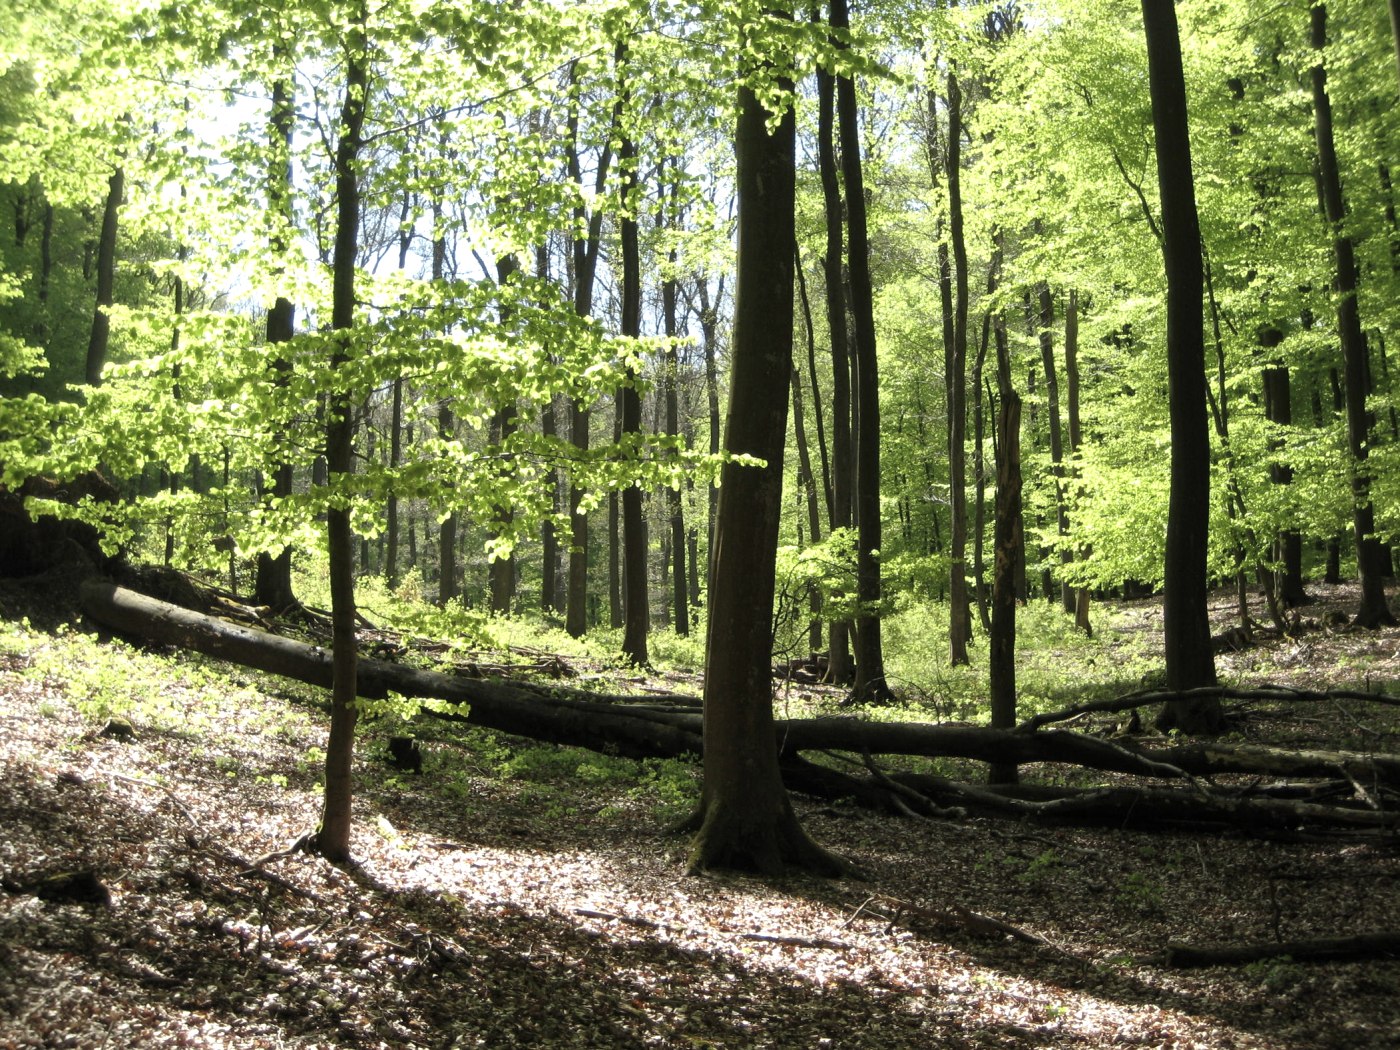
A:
485	920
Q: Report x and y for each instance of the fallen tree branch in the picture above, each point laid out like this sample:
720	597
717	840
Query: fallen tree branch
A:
1320	949
1266	693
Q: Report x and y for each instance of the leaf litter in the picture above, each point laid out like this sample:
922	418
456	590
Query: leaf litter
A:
490	915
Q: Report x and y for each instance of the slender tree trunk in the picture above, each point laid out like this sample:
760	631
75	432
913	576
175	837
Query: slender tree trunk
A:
1009	546
979	476
615	567
709	329
100	334
637	606
1374	611
842	468
674	504
391	538
1057	448
43	327
809	490
332	839
449	587
746	819
1278	408
501	573
1190	660
959	615
585	254
870	686
816	389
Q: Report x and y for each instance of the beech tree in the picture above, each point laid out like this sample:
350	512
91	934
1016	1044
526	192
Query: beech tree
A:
746	819
1190	659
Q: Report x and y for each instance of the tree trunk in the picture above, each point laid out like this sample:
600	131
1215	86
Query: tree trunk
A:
709	335
842	468
817	414
809	495
870	686
1008	545
615	569
674	504
1190	660
1288	549
501	573
746	819
585	255
1076	438
1374	611
100	333
637	605
1057	448
391	528
959	615
332	839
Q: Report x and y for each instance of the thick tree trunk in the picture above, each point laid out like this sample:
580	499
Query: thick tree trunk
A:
1189	657
1374	611
746	819
100	334
332	838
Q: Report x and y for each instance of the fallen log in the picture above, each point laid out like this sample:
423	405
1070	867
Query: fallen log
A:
492	705
647	727
1257	694
1320	949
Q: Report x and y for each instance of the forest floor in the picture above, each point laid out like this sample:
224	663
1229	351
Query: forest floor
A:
518	895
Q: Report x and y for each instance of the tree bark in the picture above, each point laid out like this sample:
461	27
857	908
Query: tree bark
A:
273	580
585	255
100	334
1189	657
809	497
637	603
1374	611
746	819
842	468
1008	544
332	838
1076	437
501	572
674	504
870	684
959	614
